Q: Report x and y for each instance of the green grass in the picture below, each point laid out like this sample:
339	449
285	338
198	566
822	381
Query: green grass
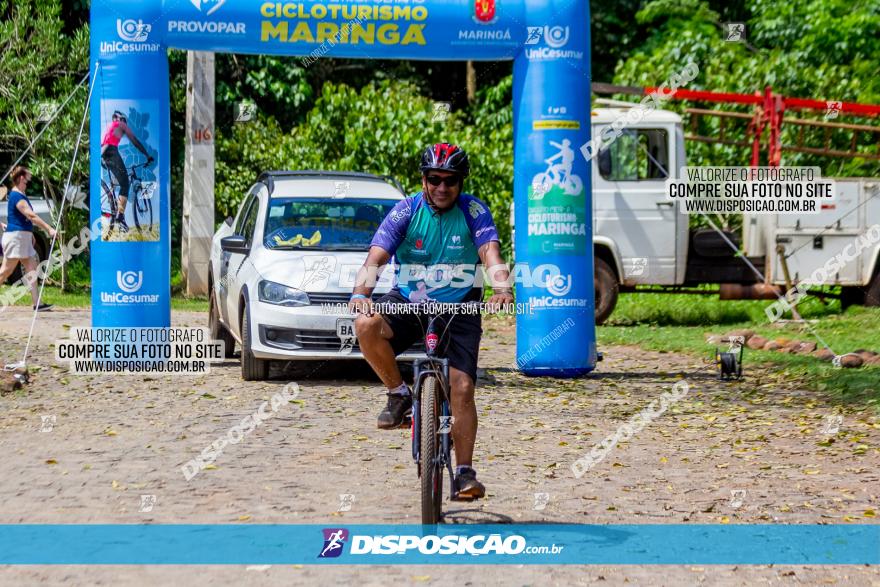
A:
680	323
82	299
190	304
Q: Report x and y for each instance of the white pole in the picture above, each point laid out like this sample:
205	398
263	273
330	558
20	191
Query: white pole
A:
198	177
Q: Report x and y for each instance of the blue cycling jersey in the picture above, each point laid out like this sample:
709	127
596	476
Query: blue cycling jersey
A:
436	251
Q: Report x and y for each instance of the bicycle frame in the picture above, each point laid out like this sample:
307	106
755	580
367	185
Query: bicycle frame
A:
423	368
438	367
135	183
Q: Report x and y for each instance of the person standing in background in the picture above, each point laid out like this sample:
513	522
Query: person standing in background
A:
18	235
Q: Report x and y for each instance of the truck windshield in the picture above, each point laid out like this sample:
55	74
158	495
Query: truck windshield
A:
321	224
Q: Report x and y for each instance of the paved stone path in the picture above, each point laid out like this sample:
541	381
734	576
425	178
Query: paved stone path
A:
758	451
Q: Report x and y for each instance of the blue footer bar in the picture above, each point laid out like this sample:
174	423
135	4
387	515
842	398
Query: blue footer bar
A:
626	544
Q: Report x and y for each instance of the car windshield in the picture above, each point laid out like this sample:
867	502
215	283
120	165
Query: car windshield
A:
322	224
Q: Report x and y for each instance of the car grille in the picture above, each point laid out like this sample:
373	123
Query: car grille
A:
313	340
318	340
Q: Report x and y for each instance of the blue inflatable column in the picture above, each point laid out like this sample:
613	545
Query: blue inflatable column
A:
553	192
131	272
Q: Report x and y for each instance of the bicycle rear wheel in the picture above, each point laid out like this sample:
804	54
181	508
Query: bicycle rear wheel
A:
432	471
145	209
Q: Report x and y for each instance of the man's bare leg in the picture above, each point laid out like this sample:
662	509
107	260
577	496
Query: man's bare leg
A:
464	410
374	337
464	433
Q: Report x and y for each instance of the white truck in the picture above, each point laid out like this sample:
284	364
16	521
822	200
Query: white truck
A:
641	238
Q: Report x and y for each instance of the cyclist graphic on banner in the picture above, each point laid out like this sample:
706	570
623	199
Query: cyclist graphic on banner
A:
557	202
558	174
128	182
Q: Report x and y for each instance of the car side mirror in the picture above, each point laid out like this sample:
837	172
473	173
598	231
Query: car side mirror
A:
235	244
229	220
605	162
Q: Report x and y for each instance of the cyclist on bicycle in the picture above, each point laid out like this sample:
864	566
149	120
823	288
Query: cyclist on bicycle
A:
439	226
566	154
112	160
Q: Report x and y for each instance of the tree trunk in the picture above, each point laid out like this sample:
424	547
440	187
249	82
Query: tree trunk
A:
471	82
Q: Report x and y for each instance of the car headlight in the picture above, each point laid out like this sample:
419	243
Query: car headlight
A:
281	295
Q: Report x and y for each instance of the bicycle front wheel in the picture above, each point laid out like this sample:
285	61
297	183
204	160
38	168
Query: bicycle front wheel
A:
432	471
143	213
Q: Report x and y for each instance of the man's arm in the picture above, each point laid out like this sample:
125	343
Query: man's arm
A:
367	277
499	274
388	237
485	237
368	274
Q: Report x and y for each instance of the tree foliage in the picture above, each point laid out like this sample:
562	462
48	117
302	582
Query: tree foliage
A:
381	129
823	49
39	68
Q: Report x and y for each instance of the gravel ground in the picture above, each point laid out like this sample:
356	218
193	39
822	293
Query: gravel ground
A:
762	450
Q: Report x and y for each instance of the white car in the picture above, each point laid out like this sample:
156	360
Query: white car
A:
283	269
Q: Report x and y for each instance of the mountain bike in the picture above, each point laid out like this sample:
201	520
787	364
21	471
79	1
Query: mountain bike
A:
432	419
553	176
140	198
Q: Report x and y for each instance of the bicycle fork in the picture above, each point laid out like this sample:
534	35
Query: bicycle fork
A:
422	369
446	446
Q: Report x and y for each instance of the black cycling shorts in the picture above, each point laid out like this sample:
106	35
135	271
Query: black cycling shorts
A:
460	342
115	165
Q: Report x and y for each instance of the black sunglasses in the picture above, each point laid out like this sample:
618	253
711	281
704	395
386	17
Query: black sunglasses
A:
450	181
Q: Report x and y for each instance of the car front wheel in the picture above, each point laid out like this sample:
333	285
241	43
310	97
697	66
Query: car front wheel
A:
252	368
218	331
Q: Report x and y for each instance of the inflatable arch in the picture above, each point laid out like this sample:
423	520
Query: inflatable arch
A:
548	40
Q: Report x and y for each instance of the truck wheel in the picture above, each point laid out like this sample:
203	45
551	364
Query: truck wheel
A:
851	296
872	295
605	284
252	368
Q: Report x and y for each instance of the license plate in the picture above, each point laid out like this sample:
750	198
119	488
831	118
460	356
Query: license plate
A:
345	328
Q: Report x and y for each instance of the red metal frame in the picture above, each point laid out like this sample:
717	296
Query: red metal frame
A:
769	111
